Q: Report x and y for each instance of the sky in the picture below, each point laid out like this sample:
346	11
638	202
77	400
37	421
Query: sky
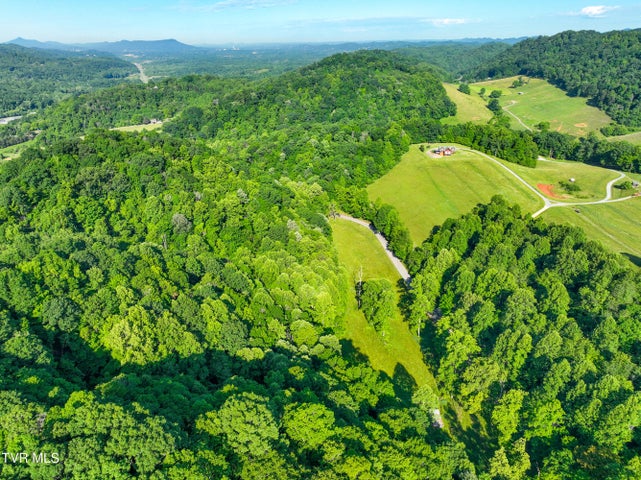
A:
212	22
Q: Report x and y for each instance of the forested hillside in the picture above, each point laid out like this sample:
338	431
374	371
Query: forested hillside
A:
603	67
537	330
31	79
172	304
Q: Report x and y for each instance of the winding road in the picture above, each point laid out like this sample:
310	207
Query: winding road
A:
398	265
547	203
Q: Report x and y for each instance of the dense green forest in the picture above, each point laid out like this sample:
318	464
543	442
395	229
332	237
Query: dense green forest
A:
602	67
31	79
536	329
172	305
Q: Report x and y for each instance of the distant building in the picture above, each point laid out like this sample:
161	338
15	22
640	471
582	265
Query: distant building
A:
444	151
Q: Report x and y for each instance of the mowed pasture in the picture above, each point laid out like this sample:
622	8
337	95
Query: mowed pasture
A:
469	108
426	191
634	138
140	128
359	249
591	180
614	225
539	101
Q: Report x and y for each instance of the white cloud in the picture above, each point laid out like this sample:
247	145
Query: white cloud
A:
596	11
444	22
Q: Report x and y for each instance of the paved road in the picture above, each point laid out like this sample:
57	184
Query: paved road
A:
400	268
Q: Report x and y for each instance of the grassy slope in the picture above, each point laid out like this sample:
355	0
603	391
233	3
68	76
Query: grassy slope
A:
634	138
9	153
469	108
139	128
426	191
592	180
542	102
615	225
357	247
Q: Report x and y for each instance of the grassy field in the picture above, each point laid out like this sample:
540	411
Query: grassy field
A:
426	191
539	101
469	108
357	247
591	180
9	153
615	225
139	128
634	138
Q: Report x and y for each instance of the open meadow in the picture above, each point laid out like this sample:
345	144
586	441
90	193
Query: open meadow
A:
633	138
615	225
358	248
469	108
426	191
538	101
590	181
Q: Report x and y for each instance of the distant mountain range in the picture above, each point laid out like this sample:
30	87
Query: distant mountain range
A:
122	47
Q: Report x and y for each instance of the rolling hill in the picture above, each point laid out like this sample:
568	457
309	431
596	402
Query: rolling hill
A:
602	67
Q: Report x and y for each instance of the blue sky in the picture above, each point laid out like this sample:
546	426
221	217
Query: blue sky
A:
251	21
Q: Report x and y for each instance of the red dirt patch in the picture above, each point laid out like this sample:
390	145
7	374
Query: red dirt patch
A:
547	190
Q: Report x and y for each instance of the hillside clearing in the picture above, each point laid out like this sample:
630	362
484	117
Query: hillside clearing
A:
538	101
614	225
469	108
426	191
358	249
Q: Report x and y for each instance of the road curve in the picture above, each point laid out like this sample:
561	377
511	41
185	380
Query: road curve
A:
398	265
547	203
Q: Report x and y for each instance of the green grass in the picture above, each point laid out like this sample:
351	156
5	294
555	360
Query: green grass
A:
634	138
469	108
592	180
426	191
357	247
538	101
139	128
14	151
614	225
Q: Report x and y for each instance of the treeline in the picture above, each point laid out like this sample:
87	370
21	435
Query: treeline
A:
32	79
610	154
511	145
454	58
600	66
537	330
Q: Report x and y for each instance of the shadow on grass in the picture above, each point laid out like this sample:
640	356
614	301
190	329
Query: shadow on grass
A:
633	258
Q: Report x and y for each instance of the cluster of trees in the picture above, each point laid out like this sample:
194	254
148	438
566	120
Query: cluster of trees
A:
31	79
172	308
590	149
537	330
600	66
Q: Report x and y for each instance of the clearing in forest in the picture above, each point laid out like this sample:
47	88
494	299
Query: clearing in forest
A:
615	225
426	191
359	249
469	108
538	101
